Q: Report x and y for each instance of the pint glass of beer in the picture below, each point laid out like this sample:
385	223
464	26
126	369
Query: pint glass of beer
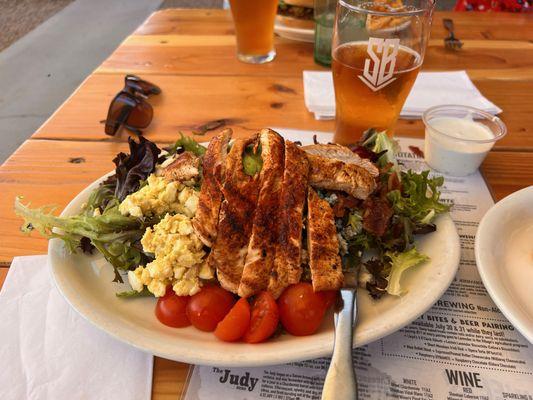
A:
254	27
377	50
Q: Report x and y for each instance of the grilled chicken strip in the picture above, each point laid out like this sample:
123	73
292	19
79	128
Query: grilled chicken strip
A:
287	264
185	167
206	218
240	193
336	167
264	239
323	245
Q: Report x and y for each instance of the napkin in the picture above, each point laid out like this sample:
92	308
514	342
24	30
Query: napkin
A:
430	89
48	351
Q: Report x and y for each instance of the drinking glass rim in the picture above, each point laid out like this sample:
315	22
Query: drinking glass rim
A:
354	7
485	115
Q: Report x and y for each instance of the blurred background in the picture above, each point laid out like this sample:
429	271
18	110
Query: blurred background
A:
47	48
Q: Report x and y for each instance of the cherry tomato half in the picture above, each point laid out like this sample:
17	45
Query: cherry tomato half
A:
208	307
301	310
170	309
264	318
235	323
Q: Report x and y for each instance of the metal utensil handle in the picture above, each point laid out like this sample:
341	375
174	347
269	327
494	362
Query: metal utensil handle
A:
340	382
448	24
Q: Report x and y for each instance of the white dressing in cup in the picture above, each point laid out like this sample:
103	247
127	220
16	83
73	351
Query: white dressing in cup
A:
459	137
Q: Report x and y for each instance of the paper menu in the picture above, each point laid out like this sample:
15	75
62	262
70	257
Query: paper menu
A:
462	348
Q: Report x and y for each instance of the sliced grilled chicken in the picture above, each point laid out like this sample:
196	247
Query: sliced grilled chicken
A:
336	167
264	239
206	219
240	193
185	167
323	245
287	264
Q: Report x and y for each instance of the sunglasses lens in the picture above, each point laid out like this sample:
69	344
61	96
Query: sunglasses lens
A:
141	115
129	107
136	84
119	111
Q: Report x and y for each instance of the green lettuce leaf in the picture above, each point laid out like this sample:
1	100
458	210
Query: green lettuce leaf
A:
419	197
355	221
129	294
400	262
379	142
186	143
101	197
113	234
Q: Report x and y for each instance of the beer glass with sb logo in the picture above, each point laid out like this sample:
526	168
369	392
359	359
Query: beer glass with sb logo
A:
378	48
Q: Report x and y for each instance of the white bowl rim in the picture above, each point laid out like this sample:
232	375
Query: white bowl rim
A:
481	237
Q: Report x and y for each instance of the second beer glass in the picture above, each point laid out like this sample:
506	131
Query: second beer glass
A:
254	28
378	49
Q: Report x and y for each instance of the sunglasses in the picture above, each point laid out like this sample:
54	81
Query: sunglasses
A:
129	107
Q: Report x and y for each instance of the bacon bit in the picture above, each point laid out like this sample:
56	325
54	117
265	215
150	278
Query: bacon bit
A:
416	151
344	202
338	211
376	216
364	152
394	182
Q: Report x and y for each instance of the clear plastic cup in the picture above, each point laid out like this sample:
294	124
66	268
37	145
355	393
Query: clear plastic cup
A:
458	138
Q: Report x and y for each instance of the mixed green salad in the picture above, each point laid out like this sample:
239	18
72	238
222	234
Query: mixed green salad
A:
377	234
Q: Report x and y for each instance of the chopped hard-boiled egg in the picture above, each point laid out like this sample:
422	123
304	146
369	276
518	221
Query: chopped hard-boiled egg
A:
179	258
135	280
159	197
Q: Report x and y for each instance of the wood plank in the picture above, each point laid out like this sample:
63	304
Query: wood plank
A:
166	41
169	379
489	26
3	274
40	170
189	21
187	40
215	55
250	103
486	38
187	102
508	172
217	59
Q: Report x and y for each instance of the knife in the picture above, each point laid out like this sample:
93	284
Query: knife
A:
340	382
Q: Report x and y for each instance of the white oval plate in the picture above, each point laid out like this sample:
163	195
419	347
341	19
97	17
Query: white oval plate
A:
86	283
298	34
504	258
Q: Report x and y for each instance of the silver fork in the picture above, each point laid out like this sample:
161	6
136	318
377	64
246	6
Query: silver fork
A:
451	42
340	382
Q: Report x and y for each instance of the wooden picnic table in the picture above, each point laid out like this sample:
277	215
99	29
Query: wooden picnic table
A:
190	54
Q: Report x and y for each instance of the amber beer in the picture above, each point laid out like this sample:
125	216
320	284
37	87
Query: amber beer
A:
254	27
361	105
